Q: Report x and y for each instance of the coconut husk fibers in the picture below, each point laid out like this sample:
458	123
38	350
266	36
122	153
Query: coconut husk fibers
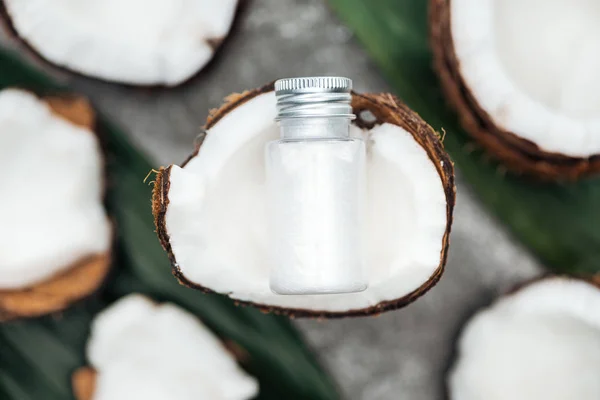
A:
386	108
518	154
75	282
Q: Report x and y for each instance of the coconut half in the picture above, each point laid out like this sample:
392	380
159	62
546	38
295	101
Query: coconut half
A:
540	342
139	42
55	245
210	213
142	350
523	76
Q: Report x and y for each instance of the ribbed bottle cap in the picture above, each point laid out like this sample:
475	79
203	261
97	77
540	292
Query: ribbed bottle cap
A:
314	97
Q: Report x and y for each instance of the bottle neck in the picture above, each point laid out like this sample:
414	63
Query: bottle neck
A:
314	128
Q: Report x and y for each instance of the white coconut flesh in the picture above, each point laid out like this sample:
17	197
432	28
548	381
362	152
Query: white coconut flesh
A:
216	215
533	65
145	42
142	350
51	192
541	343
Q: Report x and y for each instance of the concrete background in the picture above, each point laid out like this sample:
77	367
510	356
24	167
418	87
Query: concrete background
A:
400	354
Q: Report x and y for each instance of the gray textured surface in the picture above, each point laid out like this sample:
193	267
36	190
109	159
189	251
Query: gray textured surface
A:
400	354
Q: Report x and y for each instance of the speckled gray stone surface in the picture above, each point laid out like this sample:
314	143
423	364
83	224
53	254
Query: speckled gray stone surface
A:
399	355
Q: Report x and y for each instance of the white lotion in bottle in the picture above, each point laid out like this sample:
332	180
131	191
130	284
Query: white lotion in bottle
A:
316	190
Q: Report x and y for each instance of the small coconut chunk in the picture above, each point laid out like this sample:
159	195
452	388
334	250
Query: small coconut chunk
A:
142	350
540	343
141	42
53	216
211	212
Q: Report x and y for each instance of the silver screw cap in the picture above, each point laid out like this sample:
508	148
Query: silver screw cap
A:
314	97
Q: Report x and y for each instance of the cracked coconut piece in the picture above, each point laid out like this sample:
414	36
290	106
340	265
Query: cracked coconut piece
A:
540	342
139	42
56	245
523	76
142	350
210	211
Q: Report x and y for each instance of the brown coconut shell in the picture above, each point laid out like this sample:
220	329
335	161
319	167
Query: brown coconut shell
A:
83	381
518	154
216	44
386	108
77	281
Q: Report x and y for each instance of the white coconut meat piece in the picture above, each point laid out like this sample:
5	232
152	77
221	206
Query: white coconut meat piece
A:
542	342
141	42
51	197
142	350
532	66
216	214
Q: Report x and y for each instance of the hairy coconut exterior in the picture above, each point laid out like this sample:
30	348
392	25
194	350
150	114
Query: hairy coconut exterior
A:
386	108
215	44
518	154
77	281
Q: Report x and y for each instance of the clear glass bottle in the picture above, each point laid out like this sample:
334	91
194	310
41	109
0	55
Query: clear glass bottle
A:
316	185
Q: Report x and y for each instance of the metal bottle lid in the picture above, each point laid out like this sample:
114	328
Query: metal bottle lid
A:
314	97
